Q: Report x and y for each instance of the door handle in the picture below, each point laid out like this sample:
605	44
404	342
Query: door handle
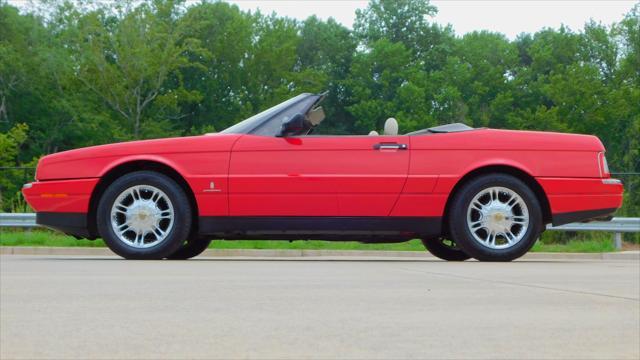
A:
390	146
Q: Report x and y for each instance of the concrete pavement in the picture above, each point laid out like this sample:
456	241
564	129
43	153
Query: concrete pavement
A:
295	253
383	308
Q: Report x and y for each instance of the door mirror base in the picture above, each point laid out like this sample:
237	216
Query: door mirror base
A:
293	126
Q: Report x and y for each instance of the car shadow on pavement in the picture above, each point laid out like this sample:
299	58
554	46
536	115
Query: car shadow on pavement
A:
304	259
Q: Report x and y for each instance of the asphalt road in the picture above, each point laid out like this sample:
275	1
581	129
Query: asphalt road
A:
103	307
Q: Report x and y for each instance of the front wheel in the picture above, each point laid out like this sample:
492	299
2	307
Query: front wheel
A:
144	215
495	217
445	249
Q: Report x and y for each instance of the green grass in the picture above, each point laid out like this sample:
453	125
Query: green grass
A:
44	238
599	243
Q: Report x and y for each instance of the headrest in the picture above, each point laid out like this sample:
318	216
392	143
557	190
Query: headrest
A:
373	133
316	116
391	127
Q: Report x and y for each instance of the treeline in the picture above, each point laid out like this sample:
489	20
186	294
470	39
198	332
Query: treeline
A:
82	73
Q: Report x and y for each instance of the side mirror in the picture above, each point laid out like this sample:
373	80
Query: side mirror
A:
292	126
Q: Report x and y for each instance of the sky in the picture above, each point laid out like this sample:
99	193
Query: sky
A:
507	17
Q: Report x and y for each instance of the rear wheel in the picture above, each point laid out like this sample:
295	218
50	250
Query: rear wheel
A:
495	217
193	247
144	215
445	249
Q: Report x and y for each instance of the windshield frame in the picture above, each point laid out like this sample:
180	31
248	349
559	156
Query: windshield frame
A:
255	122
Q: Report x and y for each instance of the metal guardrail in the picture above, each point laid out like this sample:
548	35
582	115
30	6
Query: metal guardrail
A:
617	225
19	220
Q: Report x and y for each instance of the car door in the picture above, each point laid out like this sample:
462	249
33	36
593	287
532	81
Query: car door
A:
317	175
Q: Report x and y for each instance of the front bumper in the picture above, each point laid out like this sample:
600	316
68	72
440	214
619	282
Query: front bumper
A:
74	224
60	195
62	205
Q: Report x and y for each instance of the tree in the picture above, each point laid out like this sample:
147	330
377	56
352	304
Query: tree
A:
270	65
629	37
385	83
326	51
87	72
598	47
15	43
226	35
475	83
126	58
10	143
403	21
406	22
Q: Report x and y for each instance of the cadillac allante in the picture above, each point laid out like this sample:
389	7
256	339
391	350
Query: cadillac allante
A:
466	193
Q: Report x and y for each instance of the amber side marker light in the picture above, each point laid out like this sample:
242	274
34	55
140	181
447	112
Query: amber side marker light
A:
53	195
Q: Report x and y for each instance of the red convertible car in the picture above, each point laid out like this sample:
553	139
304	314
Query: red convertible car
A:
466	192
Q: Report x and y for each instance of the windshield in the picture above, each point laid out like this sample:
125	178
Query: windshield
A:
250	124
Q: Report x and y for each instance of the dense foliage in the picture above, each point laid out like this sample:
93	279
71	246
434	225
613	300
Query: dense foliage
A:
81	73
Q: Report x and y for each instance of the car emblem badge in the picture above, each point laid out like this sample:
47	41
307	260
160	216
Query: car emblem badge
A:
212	188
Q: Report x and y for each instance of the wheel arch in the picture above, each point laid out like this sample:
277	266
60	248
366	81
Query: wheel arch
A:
125	167
516	172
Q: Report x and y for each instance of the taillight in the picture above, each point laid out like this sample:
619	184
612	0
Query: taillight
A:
604	166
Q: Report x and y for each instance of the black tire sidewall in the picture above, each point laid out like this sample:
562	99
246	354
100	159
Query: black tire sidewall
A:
193	247
441	251
458	218
181	222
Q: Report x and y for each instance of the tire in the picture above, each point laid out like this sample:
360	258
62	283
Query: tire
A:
193	247
495	217
445	249
152	218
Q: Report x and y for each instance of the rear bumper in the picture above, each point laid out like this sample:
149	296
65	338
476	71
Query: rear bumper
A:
582	216
580	199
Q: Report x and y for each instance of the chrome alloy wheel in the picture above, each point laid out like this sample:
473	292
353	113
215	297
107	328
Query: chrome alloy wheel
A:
142	216
498	217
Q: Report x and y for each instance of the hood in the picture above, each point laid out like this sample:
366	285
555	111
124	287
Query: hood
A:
86	162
